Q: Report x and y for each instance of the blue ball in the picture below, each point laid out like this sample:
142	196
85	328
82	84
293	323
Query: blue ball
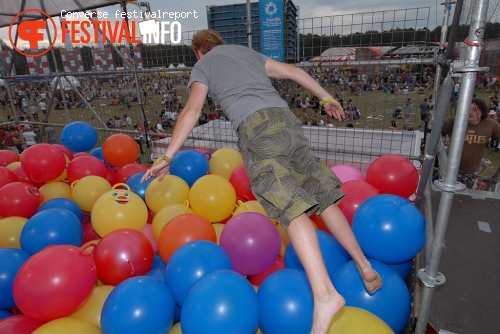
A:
63	203
138	305
51	227
285	303
391	303
334	255
11	260
192	261
5	314
79	136
97	152
389	229
403	269
138	187
158	273
223	301
158	262
189	165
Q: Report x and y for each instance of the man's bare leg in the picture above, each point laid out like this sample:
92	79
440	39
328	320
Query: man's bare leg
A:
336	222
327	301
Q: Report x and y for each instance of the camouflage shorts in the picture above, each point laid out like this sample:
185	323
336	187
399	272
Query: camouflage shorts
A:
285	177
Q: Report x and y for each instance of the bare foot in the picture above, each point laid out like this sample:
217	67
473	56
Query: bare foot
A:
325	308
371	279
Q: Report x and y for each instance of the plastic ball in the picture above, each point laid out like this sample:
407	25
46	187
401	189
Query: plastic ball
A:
356	192
43	162
97	152
7	176
347	173
64	150
240	181
11	260
393	174
125	172
220	302
23	177
403	269
68	325
79	136
5	314
389	228
391	302
148	232
19	199
224	161
259	278
163	216
86	165
120	150
7	157
123	254
13	165
183	229
51	227
285	303
92	309
355	320
252	242
249	206
53	190
44	288
63	203
189	165
334	255
191	262
171	190
19	324
213	197
138	305
118	209
86	191
138	187
10	231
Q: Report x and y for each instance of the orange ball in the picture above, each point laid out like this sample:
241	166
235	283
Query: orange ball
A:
183	229
120	150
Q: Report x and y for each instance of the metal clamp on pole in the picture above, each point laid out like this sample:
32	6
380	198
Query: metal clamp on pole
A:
431	282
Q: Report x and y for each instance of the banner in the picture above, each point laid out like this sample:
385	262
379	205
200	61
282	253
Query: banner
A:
272	29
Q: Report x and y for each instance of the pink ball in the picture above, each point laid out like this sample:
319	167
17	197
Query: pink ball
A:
252	242
148	232
347	173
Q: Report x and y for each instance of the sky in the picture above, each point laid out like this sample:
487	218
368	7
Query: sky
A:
308	9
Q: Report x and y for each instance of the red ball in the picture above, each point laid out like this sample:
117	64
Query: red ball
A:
123	254
19	324
54	283
64	150
393	174
21	175
356	192
259	278
43	162
85	165
240	181
127	171
19	199
120	150
7	157
7	176
320	224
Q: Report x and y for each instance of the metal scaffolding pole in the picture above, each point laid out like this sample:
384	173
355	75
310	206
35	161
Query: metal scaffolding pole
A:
468	67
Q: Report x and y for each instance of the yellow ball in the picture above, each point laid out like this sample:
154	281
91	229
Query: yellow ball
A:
68	325
249	206
218	230
163	216
57	189
64	174
14	165
224	161
88	189
10	231
176	329
353	320
117	209
212	197
171	190
92	309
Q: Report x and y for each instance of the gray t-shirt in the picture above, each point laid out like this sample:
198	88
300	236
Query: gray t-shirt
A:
236	79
